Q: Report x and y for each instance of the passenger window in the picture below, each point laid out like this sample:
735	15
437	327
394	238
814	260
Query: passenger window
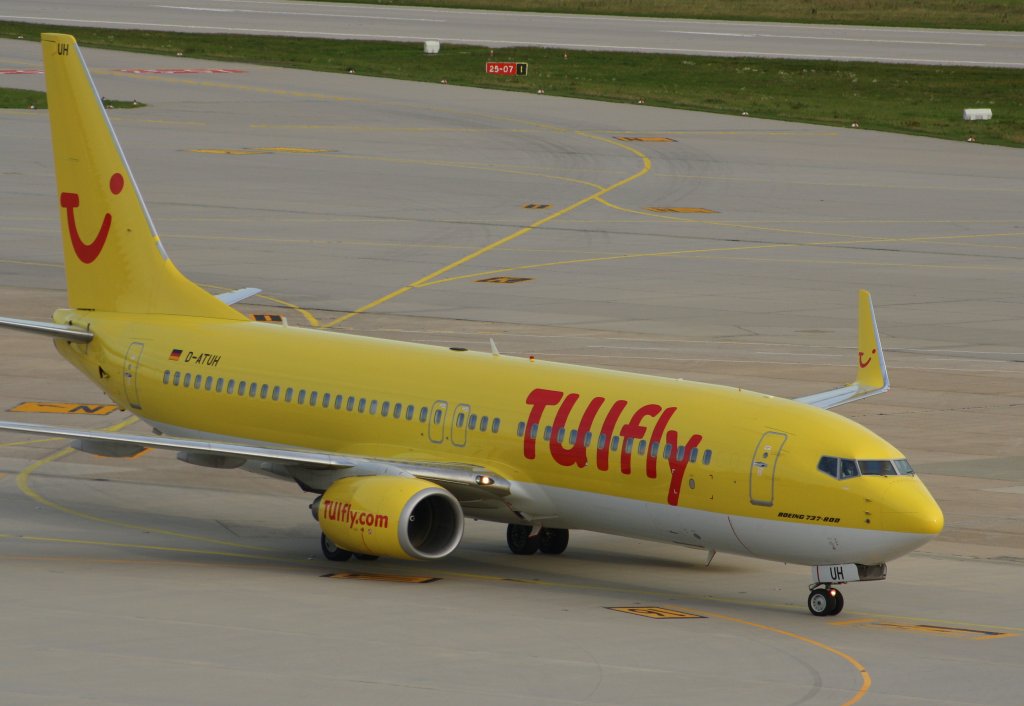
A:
654	449
693	454
312	398
188	380
241	388
209	382
615	443
362	405
288	394
483	423
438	416
602	440
220	384
587	438
177	377
641	447
276	394
373	406
460	419
167	376
338	399
707	457
495	425
385	407
326	400
198	382
423	414
521	429
472	422
533	431
561	435
398	410
668	451
572	437
252	389
351	404
547	433
231	386
680	453
263	391
301	397
627	445
409	411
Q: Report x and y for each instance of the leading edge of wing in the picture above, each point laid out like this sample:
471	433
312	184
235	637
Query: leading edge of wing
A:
872	375
294	461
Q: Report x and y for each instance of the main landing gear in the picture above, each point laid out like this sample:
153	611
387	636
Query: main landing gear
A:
526	539
824	600
335	553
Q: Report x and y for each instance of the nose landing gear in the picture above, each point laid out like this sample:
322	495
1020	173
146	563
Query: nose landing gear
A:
824	600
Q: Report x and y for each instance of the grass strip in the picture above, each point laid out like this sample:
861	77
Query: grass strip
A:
32	100
943	14
917	100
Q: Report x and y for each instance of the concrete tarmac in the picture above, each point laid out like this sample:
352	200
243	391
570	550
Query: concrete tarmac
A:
518	29
145	580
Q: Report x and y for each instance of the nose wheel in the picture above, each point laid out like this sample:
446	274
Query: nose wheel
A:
825	600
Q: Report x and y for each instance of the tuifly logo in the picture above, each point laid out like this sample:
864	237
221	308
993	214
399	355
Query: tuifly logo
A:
70	201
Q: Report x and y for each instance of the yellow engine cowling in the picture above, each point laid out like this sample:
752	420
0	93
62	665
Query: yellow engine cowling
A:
399	517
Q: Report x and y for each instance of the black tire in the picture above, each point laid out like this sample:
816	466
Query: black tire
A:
520	541
367	557
839	604
553	540
332	551
821	602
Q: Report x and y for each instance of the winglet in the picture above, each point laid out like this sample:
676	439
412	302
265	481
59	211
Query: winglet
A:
872	375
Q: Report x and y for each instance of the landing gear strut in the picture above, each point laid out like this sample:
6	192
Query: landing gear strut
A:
522	539
824	600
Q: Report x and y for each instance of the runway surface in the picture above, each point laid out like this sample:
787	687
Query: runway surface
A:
149	581
506	29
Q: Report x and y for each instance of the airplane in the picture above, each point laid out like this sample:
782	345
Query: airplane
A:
400	442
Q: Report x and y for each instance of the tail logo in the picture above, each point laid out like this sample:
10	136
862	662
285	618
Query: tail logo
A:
865	363
70	201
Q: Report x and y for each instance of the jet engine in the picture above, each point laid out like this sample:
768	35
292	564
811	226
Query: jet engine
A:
399	517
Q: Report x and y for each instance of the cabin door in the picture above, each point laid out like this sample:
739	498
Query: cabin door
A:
131	374
762	468
435	424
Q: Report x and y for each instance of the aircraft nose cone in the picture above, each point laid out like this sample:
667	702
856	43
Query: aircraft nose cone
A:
909	507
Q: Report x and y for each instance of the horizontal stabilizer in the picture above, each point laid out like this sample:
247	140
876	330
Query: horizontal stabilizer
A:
70	333
872	375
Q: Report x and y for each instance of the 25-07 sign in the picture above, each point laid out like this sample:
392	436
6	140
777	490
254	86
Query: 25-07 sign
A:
507	68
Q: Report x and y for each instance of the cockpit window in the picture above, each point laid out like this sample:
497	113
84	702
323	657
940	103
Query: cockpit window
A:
844	468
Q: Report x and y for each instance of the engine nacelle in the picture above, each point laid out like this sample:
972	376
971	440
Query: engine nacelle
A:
403	518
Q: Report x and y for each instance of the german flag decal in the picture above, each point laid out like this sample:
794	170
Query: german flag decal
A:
175	354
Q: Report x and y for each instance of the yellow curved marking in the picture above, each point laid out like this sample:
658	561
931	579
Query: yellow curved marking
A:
423	281
25	488
864	675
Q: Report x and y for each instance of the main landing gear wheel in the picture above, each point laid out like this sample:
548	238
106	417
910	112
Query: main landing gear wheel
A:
825	601
332	551
553	541
520	540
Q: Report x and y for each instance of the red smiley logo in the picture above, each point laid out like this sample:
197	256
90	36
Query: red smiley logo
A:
70	201
865	363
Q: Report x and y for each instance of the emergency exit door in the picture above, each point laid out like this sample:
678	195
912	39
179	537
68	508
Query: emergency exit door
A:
762	468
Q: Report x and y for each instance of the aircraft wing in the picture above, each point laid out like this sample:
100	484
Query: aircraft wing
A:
872	375
313	470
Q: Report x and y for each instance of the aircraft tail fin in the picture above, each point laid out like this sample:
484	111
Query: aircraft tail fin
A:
113	258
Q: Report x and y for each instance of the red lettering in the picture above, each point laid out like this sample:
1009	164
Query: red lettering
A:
659	431
678	465
540	399
577	452
634	430
607	430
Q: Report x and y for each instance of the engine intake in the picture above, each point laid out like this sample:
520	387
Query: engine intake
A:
403	518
